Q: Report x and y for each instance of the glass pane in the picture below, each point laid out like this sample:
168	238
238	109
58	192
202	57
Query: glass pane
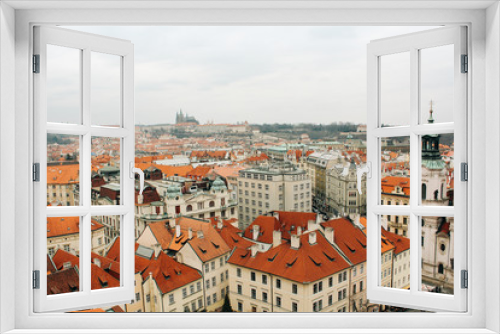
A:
437	170
396	236
63	248
437	254
63	85
105	94
395	170
105	252
63	170
395	89
105	171
436	84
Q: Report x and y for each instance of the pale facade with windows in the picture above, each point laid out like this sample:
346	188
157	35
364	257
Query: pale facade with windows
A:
184	299
257	291
342	196
280	186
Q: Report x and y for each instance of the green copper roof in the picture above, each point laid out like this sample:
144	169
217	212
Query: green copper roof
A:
433	164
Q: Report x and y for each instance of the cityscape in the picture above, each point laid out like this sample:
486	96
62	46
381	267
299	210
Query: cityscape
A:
243	217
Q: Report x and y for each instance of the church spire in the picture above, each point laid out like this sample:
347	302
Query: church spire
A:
430	120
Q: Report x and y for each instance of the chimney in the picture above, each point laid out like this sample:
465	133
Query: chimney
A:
295	241
312	225
97	262
171	223
219	224
318	219
140	199
312	238
254	249
177	231
199	234
276	215
276	238
190	233
329	234
255	232
299	231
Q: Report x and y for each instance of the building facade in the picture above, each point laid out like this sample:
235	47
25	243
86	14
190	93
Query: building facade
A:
280	186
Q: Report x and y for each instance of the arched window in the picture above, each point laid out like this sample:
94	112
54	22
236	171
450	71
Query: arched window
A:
440	269
211	204
189	208
436	195
424	191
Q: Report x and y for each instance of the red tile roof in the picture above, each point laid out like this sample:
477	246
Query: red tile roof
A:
99	277
389	183
161	233
350	239
170	274
287	222
63	174
199	172
58	226
400	243
309	263
232	235
266	227
63	281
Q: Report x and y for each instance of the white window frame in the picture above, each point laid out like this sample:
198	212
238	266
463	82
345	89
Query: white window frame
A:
125	132
412	44
483	20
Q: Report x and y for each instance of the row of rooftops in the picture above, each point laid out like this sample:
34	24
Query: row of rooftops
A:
302	248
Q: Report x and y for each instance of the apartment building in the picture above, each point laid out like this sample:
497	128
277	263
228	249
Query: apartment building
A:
143	256
396	191
288	278
280	186
64	233
170	286
197	244
196	203
342	196
62	180
321	162
400	260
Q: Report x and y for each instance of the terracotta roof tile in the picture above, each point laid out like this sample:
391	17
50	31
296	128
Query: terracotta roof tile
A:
170	274
63	281
350	239
63	174
400	243
309	263
57	226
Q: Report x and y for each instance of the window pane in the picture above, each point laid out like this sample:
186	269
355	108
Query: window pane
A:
63	85
395	89
396	250
105	252
105	95
395	171
437	254
437	170
105	171
63	248
63	170
436	84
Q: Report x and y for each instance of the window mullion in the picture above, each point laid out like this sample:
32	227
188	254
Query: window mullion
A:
85	177
414	169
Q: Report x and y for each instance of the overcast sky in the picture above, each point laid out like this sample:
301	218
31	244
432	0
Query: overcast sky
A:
259	74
